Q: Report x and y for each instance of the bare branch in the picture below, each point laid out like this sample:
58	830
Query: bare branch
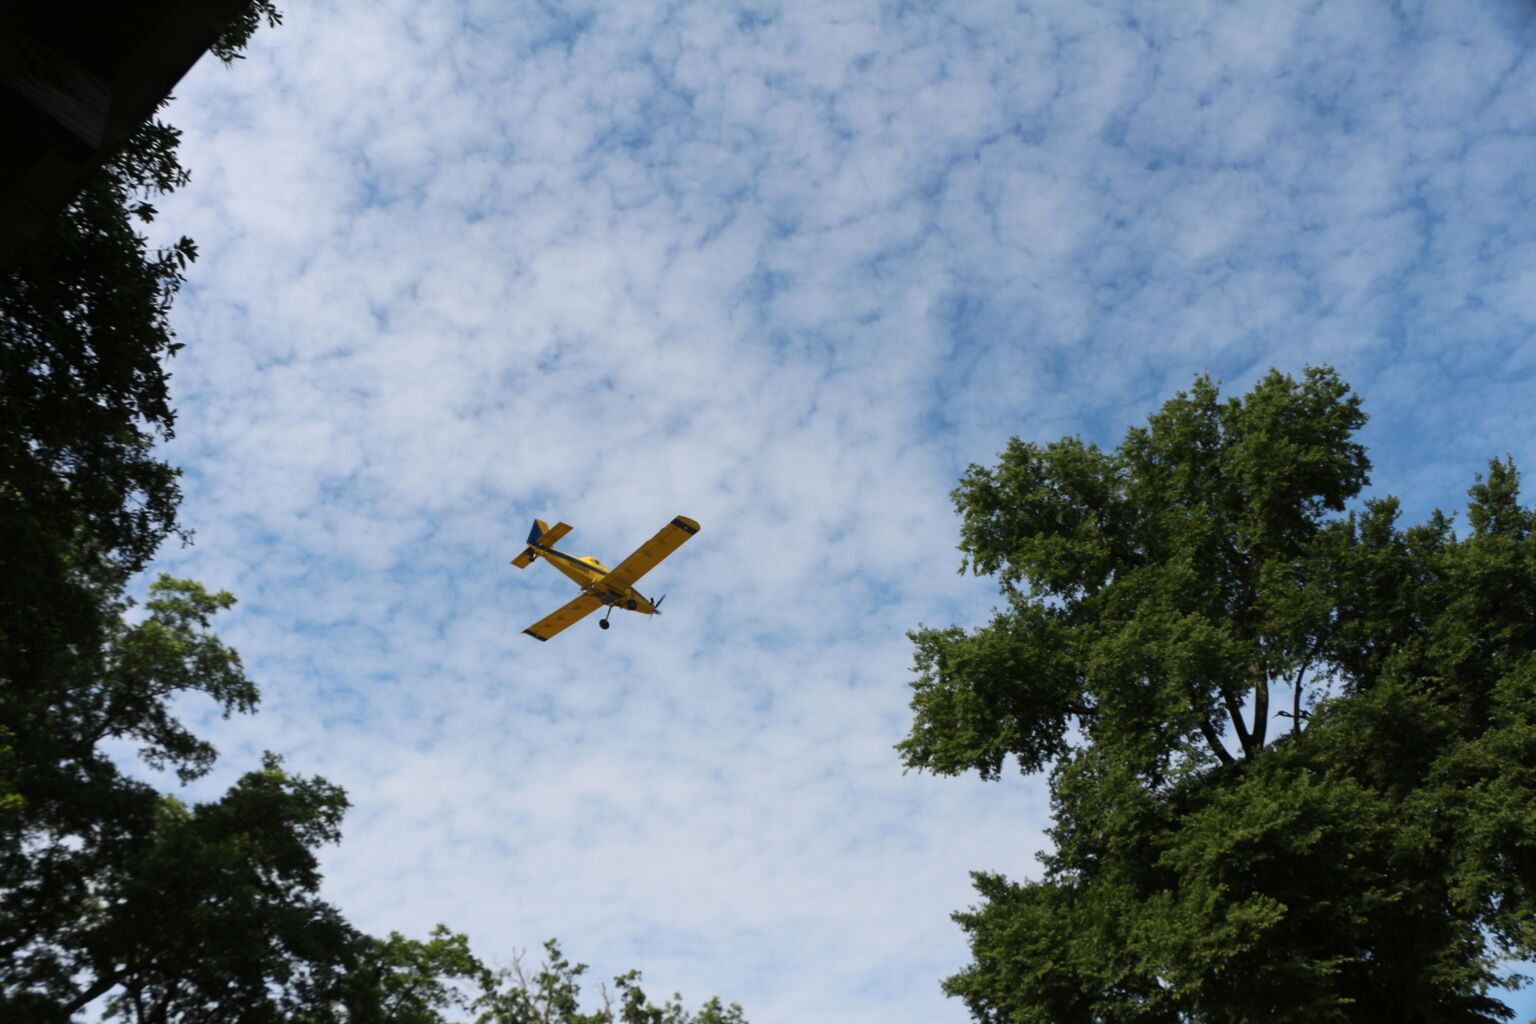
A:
98	988
1260	705
1209	732
1235	712
1301	674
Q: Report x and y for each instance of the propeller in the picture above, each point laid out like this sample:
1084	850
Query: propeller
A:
657	606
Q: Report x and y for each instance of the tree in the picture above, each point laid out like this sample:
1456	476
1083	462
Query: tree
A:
84	500
552	995
1291	748
110	888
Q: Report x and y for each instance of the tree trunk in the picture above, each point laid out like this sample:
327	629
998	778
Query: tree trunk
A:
100	987
1260	706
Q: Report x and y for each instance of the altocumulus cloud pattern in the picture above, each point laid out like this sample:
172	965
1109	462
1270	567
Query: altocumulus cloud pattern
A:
786	268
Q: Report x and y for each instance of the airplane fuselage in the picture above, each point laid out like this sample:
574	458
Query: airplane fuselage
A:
588	574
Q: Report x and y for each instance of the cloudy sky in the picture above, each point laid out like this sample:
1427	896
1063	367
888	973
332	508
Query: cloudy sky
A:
786	268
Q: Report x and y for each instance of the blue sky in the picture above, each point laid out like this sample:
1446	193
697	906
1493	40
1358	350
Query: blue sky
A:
786	268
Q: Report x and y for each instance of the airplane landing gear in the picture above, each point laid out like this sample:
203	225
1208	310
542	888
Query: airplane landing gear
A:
602	623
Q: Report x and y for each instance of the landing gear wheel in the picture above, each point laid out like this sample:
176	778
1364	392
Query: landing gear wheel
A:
631	605
603	623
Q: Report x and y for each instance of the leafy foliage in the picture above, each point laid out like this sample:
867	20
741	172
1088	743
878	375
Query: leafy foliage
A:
1369	859
207	912
228	46
552	995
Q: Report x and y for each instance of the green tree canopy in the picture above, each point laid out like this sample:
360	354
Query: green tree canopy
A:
1291	746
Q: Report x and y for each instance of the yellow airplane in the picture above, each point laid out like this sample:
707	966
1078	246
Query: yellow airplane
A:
599	584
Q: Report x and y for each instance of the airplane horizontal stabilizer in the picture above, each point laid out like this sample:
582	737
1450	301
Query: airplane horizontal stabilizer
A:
553	534
543	536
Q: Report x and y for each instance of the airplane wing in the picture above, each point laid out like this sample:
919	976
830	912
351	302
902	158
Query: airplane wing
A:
645	558
567	614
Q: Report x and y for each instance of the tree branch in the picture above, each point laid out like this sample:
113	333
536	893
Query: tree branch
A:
162	1011
1209	732
1235	711
100	987
1301	674
1260	705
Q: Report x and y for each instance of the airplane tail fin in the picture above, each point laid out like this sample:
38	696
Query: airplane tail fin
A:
543	536
525	559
